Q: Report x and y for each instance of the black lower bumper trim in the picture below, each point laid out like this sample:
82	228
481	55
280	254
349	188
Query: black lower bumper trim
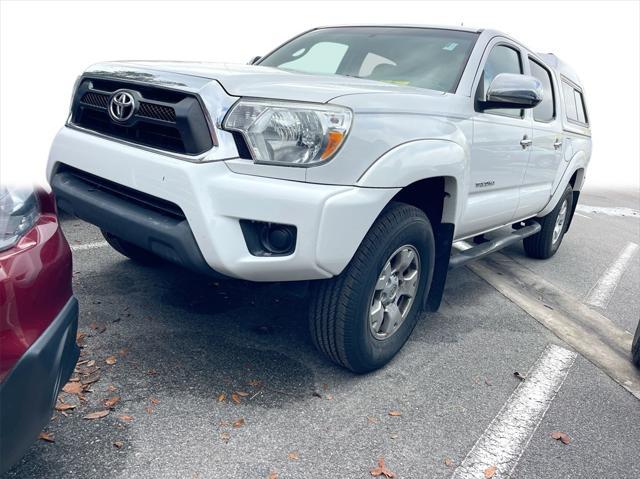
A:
163	234
29	392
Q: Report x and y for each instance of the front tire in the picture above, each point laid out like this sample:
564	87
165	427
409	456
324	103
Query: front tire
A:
546	242
131	251
362	318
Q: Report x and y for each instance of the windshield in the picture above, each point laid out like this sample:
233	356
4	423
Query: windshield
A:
419	57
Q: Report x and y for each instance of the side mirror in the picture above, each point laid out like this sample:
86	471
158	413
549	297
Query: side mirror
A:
254	60
508	90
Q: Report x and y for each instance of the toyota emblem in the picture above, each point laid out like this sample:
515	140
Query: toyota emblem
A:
122	105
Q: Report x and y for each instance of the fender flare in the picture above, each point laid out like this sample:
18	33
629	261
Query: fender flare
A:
418	160
578	162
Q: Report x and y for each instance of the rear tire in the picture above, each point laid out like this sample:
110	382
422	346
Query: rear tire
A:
635	348
545	243
131	251
362	318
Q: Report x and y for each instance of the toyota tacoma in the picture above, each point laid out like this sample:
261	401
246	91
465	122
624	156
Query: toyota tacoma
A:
351	156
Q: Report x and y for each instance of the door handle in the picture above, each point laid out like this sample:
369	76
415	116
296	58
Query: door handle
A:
557	144
526	142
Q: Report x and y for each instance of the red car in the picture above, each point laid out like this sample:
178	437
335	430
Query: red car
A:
38	317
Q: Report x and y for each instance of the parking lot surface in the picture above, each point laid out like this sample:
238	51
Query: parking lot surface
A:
219	378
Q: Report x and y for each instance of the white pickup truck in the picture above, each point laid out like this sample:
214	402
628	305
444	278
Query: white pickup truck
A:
352	156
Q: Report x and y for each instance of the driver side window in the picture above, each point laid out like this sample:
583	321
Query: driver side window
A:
502	59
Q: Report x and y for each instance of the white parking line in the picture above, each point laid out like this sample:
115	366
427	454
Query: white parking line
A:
609	210
583	216
82	247
600	294
506	438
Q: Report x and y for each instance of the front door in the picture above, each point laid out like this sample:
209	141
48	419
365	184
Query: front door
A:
500	150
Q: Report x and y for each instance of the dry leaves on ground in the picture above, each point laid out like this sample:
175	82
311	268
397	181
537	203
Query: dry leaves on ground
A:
242	394
225	436
490	471
381	470
561	436
235	398
395	413
111	360
222	397
63	406
293	456
238	423
126	418
448	462
154	401
73	388
272	475
97	414
111	402
118	444
46	436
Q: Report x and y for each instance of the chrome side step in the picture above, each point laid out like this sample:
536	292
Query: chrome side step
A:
484	249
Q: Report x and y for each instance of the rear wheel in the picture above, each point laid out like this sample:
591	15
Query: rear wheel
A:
546	242
362	318
131	251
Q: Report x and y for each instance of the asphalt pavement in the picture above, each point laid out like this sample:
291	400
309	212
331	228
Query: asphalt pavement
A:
219	379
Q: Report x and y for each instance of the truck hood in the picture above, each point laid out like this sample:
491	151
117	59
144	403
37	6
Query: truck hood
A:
256	81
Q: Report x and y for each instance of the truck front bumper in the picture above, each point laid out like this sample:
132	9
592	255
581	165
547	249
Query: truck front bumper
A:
206	234
29	392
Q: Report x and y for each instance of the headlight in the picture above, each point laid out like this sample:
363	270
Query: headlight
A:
290	133
19	211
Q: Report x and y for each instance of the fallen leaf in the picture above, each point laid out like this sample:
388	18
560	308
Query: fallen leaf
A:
519	376
272	475
149	410
80	337
73	388
222	397
46	436
127	418
490	471
381	470
154	401
111	402
238	423
254	383
111	388
91	363
561	436
293	456
118	444
111	360
225	436
235	398
242	394
123	352
91	378
62	406
395	413
448	462
97	414
372	420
